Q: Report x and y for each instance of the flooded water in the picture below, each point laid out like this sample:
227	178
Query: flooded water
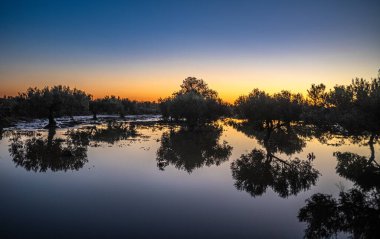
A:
147	179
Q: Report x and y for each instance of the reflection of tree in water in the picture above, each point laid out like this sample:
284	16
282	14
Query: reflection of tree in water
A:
336	135
189	149
275	138
258	170
40	154
111	133
356	211
364	172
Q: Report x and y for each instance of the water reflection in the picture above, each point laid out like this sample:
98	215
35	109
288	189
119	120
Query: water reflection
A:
276	138
356	211
188	149
39	154
258	170
110	133
269	165
363	171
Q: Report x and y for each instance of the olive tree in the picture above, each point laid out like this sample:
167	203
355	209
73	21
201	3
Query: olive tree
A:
195	103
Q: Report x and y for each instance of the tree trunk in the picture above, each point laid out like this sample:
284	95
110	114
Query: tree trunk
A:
52	123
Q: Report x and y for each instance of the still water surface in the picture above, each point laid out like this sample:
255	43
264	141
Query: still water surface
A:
148	179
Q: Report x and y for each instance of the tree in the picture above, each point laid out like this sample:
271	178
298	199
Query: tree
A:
356	106
260	106
317	95
198	86
194	102
95	107
51	102
77	102
256	106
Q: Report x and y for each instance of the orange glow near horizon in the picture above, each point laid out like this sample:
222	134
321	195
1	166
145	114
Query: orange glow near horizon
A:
158	79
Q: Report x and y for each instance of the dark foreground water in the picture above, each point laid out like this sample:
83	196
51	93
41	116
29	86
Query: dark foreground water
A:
147	179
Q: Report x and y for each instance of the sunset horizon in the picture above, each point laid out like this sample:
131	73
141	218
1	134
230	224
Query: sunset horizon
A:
143	51
134	90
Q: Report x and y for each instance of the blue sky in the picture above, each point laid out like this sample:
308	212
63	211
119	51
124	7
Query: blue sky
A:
128	36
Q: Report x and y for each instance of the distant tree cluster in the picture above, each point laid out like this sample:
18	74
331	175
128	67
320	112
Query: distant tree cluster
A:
49	102
56	101
121	106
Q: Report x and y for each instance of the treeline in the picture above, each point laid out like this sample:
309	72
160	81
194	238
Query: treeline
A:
356	106
56	101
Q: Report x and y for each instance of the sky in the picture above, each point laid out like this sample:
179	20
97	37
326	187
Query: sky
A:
143	50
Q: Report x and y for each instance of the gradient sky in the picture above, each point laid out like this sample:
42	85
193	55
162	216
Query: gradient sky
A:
144	49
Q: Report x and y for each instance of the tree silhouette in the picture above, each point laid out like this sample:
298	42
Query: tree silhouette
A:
260	106
51	102
197	86
189	149
194	102
356	106
317	95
